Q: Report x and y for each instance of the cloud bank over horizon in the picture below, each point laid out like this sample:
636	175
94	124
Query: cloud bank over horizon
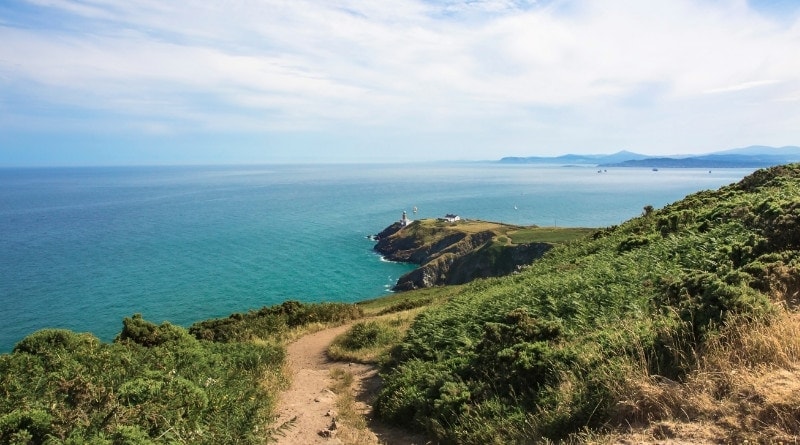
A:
145	81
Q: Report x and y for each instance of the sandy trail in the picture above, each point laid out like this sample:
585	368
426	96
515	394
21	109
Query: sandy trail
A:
312	404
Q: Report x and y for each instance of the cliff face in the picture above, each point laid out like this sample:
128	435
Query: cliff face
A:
451	254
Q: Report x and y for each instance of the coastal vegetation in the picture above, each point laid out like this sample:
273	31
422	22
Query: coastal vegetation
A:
679	324
215	383
372	340
644	324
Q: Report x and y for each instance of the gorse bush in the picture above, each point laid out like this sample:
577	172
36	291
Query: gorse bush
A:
542	353
181	390
140	331
154	383
366	335
273	321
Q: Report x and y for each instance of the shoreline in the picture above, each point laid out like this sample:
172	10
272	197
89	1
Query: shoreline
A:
389	290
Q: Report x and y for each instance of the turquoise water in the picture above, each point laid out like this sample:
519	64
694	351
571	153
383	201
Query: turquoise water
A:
81	248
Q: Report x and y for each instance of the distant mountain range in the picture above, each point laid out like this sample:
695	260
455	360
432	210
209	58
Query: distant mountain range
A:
755	156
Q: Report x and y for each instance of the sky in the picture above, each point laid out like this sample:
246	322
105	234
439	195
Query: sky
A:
141	82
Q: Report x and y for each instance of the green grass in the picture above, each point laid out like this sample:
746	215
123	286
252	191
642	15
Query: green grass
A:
427	230
553	235
370	341
400	301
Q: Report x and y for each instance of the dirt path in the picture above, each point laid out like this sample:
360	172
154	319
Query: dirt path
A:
312	404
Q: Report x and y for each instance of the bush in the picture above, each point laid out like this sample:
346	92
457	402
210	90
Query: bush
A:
273	321
145	333
155	384
48	341
32	425
704	300
366	335
130	435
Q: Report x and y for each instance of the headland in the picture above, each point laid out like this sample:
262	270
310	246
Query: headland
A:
452	250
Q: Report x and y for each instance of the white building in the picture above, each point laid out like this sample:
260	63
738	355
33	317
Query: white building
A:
452	218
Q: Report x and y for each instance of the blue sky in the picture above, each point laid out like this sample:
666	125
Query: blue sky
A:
104	82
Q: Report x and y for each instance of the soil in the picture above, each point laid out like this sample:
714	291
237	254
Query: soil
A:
312	405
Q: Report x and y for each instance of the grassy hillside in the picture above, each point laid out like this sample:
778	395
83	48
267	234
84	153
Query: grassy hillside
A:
155	383
591	333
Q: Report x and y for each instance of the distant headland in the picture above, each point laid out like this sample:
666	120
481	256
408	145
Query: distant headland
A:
755	156
453	250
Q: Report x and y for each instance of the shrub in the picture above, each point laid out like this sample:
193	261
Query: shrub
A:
130	435
633	242
21	426
156	384
273	321
47	341
366	335
704	300
145	333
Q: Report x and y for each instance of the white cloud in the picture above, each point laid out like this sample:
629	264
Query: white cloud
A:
495	65
742	86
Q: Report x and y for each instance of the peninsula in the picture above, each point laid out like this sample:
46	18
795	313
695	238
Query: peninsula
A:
457	251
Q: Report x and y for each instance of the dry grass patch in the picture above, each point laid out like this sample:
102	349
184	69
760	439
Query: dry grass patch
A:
465	225
745	387
349	418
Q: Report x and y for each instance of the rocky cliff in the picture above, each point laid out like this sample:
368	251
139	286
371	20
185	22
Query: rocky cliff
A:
450	253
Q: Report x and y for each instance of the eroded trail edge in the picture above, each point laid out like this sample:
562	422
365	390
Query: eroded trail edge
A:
312	404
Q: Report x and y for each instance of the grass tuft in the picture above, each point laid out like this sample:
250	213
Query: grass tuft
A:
371	341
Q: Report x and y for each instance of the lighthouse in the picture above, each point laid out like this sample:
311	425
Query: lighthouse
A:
404	220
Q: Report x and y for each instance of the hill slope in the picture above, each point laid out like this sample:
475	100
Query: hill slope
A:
613	331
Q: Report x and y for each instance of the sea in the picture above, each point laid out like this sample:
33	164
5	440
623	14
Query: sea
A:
82	248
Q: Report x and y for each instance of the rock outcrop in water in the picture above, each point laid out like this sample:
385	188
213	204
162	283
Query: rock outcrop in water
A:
454	253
